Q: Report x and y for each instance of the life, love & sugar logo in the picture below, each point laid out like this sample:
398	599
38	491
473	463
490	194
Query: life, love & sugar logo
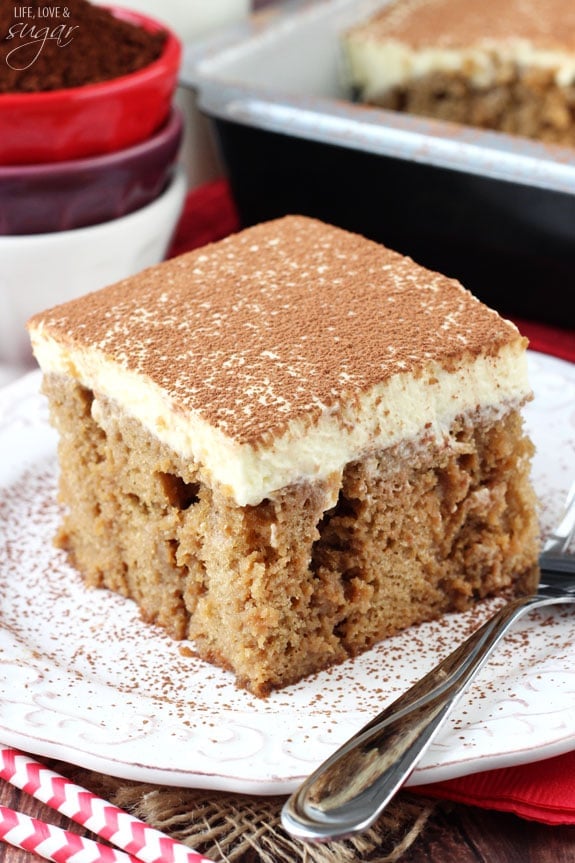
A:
32	27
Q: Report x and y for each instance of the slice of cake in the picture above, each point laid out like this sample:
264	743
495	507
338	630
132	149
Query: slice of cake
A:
289	445
507	65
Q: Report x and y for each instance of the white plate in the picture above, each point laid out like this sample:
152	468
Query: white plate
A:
82	679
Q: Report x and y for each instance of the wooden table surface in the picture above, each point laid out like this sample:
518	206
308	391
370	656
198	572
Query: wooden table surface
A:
455	834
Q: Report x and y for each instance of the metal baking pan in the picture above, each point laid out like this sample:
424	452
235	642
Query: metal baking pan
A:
495	211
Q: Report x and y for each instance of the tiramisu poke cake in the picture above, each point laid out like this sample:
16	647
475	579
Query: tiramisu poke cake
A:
289	445
507	65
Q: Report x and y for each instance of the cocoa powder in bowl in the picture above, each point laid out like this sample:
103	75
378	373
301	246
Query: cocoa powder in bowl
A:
51	45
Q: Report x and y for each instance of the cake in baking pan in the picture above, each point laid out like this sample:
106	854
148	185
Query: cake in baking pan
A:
290	444
506	65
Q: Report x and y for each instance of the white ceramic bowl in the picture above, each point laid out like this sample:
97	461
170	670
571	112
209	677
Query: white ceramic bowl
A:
42	270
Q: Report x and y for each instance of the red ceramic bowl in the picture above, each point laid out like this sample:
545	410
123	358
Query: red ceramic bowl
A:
72	123
61	196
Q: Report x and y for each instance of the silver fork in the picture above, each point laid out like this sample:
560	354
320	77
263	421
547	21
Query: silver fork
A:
348	792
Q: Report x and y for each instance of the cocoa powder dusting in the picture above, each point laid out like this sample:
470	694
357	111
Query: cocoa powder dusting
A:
279	323
45	45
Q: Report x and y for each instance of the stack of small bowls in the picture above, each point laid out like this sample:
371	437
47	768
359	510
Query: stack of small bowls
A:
90	187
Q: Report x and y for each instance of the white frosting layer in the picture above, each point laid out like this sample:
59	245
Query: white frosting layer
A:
400	409
376	66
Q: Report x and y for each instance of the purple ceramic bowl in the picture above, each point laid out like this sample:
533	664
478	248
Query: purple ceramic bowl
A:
61	196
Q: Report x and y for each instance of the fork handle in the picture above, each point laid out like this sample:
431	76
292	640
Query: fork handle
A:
350	789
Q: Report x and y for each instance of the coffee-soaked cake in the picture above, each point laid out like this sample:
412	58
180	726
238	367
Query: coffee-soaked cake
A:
289	445
507	65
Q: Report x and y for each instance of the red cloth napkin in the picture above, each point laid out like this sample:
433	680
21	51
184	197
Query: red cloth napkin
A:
542	791
209	214
549	340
